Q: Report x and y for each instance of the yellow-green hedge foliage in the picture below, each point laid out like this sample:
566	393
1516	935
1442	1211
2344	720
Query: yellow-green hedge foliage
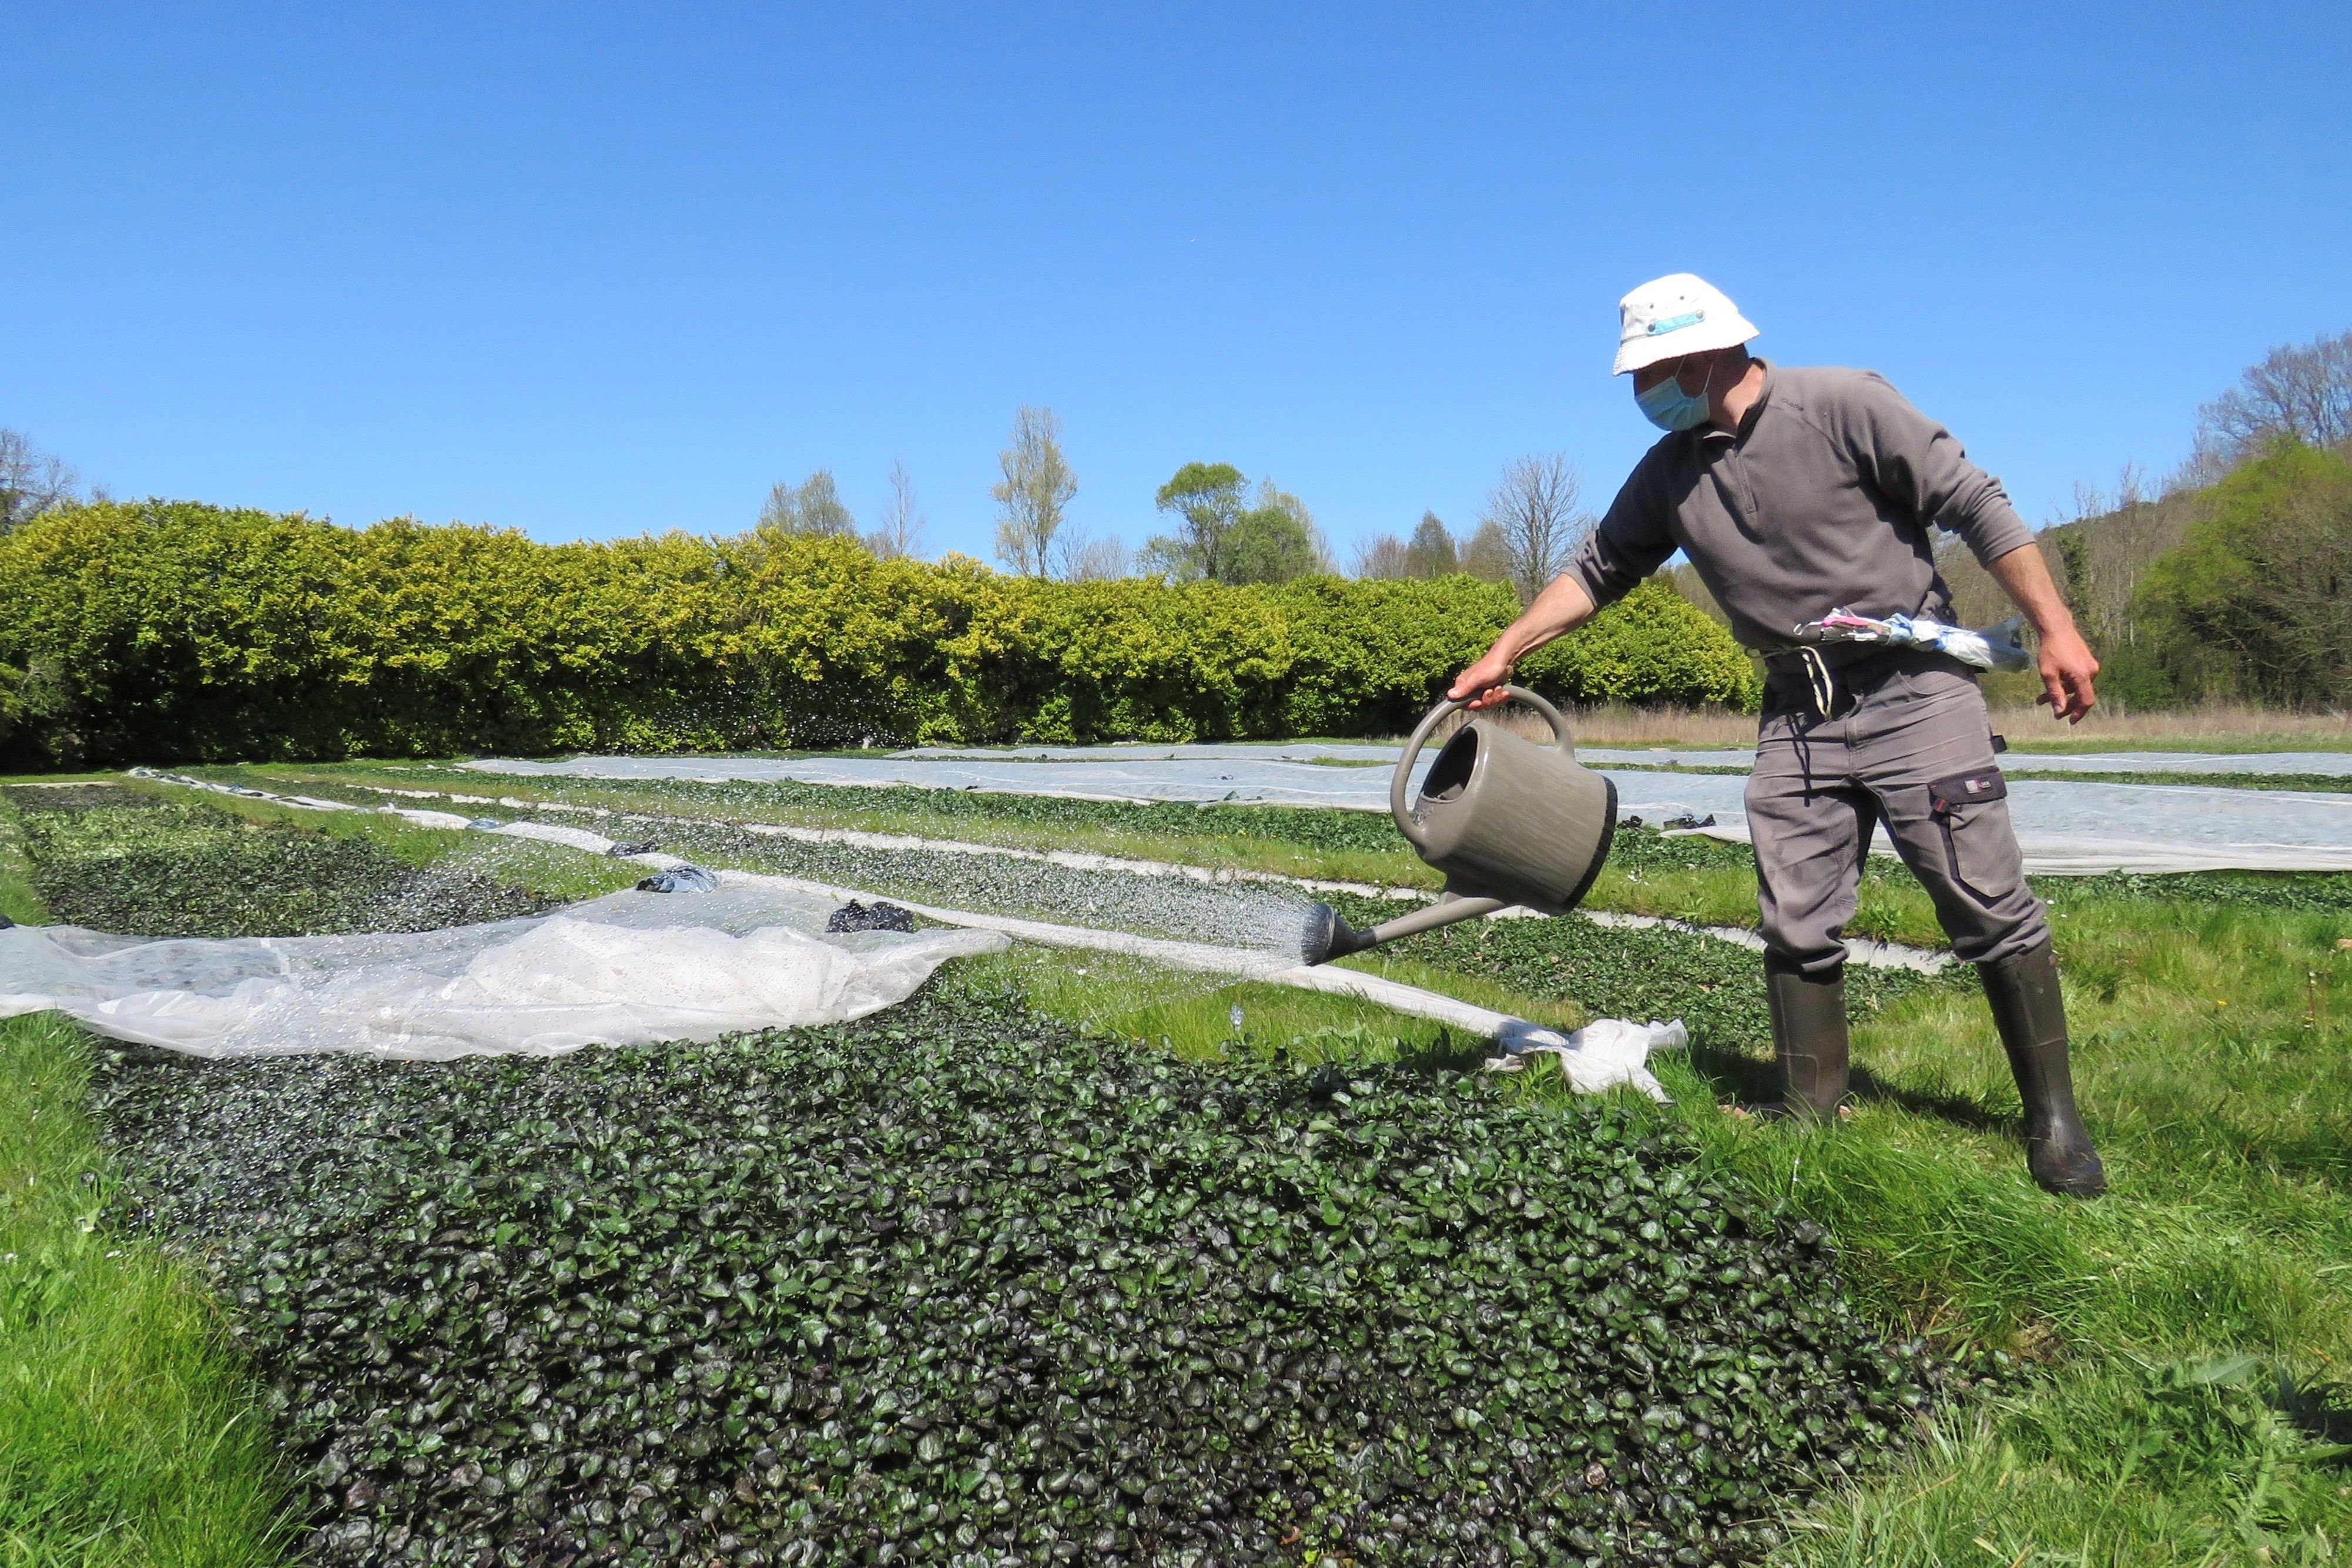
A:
160	631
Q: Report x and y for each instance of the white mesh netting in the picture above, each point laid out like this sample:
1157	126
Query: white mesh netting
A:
628	969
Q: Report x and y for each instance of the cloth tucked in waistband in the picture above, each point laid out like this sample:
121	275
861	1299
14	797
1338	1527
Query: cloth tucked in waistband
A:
1792	680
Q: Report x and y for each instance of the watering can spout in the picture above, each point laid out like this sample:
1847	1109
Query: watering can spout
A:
1508	822
1330	936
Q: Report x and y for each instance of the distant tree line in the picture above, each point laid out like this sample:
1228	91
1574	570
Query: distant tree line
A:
1222	530
1530	525
814	509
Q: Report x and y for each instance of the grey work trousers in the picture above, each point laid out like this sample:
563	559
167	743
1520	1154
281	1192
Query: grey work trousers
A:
1901	722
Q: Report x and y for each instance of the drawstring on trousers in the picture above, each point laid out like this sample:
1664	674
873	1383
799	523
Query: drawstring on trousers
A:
1818	676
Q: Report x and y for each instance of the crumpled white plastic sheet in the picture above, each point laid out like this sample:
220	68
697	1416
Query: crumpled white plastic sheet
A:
1599	1057
631	968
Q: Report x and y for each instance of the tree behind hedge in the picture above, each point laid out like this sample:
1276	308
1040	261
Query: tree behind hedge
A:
2256	601
171	631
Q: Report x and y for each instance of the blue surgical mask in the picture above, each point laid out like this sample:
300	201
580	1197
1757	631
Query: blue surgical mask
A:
1669	407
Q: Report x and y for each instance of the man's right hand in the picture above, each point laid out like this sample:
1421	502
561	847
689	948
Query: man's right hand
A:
1483	683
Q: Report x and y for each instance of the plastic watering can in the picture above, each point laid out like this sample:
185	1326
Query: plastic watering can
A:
1508	821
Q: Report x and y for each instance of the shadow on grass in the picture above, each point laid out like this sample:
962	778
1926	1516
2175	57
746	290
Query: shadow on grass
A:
1955	1110
1734	1076
2320	1410
1448	1053
1739	1079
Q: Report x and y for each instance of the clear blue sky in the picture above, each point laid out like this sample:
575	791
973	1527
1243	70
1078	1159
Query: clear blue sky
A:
590	270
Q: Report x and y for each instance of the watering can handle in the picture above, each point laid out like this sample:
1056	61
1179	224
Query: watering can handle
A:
1398	780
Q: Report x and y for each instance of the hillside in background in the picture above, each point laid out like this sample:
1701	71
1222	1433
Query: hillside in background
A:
2098	562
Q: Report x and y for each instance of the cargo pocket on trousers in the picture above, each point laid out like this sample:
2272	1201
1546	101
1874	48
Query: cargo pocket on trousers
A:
1978	845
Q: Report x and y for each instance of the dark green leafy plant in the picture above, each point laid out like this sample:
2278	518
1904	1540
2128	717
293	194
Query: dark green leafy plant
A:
954	1284
115	862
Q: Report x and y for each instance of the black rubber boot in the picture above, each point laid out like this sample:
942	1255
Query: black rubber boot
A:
1808	1037
2031	1017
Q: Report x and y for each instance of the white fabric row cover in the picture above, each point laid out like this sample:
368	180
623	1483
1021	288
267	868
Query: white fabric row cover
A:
2066	826
2335	764
631	968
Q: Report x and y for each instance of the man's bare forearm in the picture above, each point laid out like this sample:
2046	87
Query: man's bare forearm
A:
1560	609
2025	577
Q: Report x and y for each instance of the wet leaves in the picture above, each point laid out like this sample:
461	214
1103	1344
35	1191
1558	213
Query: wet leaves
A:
1714	987
954	1283
116	862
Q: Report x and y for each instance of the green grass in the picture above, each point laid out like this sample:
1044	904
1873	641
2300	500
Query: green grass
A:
1192	1015
2122	1465
2319	783
128	1430
2214	1072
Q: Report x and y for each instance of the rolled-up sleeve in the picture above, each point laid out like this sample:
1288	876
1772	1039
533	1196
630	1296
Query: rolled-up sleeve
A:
1631	543
1918	464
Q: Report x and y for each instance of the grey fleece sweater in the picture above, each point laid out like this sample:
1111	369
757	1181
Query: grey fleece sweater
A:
1822	499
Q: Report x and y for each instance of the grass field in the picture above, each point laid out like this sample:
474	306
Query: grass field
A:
127	1432
2177	1352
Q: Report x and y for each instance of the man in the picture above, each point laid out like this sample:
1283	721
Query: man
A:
1796	492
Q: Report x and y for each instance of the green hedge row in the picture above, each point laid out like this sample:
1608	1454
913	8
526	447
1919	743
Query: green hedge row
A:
164	631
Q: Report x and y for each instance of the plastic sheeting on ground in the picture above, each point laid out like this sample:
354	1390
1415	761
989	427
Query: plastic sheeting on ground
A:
631	968
1111	774
2066	828
2329	764
121	986
2316	764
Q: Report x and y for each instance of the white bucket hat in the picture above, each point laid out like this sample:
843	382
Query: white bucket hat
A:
1673	316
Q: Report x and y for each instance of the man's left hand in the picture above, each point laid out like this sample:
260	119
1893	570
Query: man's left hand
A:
2067	667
